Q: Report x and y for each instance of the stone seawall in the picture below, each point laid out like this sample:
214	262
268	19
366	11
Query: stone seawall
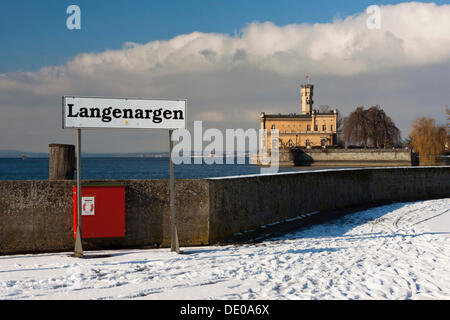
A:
244	203
353	155
341	157
37	216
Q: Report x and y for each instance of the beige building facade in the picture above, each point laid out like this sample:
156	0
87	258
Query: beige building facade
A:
310	128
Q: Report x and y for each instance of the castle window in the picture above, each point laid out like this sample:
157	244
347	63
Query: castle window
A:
316	128
331	127
324	127
308	127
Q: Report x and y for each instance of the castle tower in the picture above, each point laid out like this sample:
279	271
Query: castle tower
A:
306	93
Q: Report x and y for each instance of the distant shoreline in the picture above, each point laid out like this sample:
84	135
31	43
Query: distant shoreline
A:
14	155
18	154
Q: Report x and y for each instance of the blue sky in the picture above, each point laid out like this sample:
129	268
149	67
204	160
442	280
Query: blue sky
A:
249	57
33	33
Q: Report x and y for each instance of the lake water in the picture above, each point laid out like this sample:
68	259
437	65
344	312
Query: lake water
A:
128	168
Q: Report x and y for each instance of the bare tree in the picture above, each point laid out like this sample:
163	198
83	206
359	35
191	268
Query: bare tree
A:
382	131
371	127
356	127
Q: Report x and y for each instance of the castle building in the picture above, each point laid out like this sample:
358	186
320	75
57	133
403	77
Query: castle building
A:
310	128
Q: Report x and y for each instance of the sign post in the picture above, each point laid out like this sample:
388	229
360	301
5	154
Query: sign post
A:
78	251
123	113
175	246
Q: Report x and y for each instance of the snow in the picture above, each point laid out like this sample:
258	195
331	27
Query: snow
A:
397	251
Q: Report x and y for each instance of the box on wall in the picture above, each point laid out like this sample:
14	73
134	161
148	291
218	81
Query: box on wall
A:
103	211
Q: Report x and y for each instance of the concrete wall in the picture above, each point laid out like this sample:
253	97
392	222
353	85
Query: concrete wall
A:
240	204
37	216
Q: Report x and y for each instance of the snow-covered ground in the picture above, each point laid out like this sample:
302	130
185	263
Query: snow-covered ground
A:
398	251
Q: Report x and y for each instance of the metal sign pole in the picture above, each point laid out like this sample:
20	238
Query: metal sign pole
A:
175	246
78	252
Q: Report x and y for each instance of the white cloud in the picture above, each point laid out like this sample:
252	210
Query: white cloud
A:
411	34
223	75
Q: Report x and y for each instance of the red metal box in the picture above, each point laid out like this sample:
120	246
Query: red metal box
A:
103	211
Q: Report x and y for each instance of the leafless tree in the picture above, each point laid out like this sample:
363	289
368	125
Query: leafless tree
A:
371	127
356	128
382	131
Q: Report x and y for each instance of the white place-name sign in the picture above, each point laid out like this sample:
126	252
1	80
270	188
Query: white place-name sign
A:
84	112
